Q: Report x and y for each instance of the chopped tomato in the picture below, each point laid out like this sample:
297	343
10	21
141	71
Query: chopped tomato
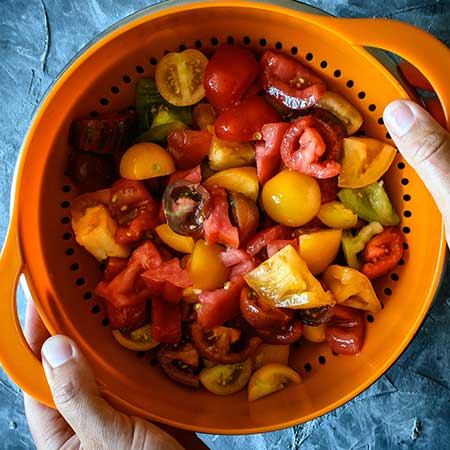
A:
193	175
345	331
134	209
303	148
244	215
172	293
179	77
382	253
259	314
217	226
290	82
268	156
288	334
278	244
229	73
243	267
215	344
131	316
216	307
232	256
243	122
127	288
328	189
188	147
114	267
169	271
166	322
264	237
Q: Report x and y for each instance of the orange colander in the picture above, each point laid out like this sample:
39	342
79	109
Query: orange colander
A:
61	275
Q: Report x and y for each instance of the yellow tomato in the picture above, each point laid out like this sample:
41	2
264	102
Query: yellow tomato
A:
225	154
271	378
179	77
242	180
336	215
206	268
319	249
226	379
291	198
139	340
268	353
342	109
146	160
314	334
180	243
364	161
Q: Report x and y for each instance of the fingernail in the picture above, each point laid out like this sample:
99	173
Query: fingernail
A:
57	350
399	118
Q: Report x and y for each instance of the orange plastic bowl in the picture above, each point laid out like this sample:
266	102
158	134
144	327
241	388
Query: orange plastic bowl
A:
40	244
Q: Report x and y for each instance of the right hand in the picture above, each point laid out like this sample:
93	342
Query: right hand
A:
426	147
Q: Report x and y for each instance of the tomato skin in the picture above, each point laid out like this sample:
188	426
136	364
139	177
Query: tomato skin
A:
382	253
289	82
260	315
216	350
245	215
303	147
126	316
267	236
217	226
166	321
268	156
345	332
188	147
332	131
243	121
216	307
288	335
114	267
228	74
193	175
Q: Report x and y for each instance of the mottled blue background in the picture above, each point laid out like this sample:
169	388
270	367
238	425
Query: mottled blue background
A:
409	407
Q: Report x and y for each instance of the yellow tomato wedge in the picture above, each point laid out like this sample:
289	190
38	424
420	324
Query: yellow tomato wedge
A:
95	230
268	353
314	334
179	77
242	180
291	198
139	340
342	109
206	268
271	378
226	379
336	215
180	243
319	249
146	160
364	161
226	155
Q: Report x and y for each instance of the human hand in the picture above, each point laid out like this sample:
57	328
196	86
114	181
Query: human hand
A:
84	419
426	147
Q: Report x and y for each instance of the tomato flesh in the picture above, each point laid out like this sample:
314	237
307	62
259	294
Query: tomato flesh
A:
229	73
166	321
289	82
243	122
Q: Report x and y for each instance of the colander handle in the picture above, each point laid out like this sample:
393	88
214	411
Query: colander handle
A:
420	48
16	356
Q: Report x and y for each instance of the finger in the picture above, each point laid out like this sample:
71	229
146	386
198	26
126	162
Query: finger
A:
34	331
77	398
426	146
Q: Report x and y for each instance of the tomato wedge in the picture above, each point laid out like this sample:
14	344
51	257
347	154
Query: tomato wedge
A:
188	147
166	321
179	77
243	122
229	73
382	253
290	82
303	149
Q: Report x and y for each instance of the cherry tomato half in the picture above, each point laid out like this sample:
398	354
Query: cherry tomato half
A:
382	253
261	315
289	82
179	77
244	215
243	122
229	73
188	147
287	334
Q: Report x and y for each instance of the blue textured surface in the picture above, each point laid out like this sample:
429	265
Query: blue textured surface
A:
409	407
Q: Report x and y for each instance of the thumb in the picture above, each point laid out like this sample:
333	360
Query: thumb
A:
426	147
75	393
